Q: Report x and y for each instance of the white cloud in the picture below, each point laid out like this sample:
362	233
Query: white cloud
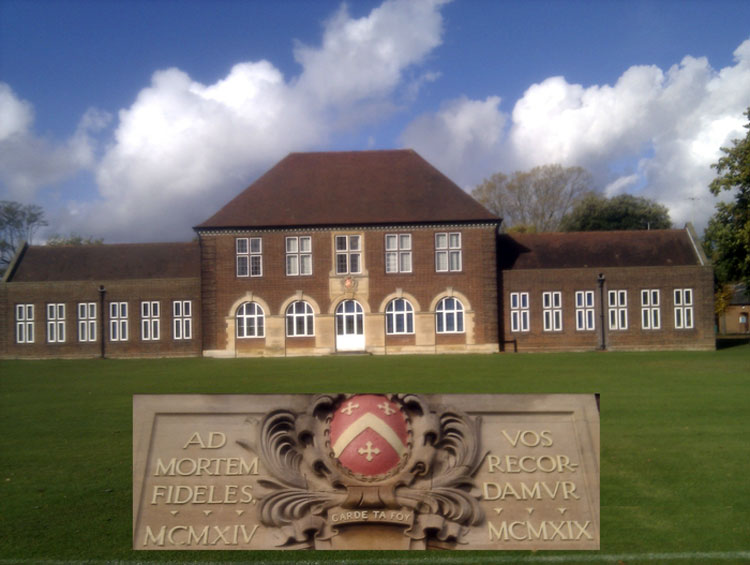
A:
15	115
183	148
671	123
366	57
620	185
462	136
29	162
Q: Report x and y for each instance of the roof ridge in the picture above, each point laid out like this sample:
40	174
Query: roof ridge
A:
145	243
354	151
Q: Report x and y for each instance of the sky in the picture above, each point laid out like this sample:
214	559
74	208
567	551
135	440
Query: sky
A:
134	120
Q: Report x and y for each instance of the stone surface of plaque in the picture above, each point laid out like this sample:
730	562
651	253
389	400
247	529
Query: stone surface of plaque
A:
365	471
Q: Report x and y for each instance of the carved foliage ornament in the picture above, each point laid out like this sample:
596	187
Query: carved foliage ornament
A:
393	455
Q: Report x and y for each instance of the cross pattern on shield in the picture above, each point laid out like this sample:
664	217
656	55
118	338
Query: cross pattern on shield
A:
369	434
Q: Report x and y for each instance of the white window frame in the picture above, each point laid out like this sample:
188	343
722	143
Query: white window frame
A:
118	321
399	317
552	311
617	302
349	319
256	315
449	312
24	323
348	254
448	252
249	251
182	319
398	253
585	310
298	256
683	309
519	312
300	319
55	322
87	321
150	320
650	309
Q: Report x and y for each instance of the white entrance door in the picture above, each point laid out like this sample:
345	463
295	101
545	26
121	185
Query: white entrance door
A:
350	332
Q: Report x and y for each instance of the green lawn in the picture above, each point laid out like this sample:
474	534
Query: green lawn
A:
675	449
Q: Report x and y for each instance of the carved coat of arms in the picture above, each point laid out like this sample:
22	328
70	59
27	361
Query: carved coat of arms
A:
390	461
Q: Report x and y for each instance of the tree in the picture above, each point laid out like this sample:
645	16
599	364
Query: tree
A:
18	223
57	240
534	200
623	212
727	236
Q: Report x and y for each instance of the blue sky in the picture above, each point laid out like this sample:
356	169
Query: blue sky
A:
133	120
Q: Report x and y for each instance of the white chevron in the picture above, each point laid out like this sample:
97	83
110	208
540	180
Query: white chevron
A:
371	421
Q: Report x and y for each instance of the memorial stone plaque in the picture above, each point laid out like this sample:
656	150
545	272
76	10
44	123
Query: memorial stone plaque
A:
365	471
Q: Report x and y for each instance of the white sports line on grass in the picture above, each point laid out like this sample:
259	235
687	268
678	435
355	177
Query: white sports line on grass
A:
573	558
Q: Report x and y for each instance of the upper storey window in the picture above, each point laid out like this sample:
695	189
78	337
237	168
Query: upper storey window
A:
398	253
448	252
249	256
348	254
298	256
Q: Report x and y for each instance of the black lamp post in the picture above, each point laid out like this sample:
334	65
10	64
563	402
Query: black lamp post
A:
102	295
600	281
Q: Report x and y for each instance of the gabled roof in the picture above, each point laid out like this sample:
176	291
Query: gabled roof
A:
647	248
350	188
107	262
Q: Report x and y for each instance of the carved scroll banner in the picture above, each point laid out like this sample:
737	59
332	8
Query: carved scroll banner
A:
365	471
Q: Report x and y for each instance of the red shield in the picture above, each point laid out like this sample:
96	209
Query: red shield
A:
369	434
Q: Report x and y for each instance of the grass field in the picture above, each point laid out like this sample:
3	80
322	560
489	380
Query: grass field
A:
675	447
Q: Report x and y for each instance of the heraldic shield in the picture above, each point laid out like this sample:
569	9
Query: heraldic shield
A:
387	470
369	436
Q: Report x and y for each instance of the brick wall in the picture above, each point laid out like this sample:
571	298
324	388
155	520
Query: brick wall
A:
217	294
373	288
40	294
734	320
631	279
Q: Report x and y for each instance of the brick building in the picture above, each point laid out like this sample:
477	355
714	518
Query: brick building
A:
371	251
118	300
326	252
735	319
606	290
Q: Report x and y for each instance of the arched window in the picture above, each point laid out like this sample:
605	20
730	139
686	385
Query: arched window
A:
349	318
250	320
399	317
449	316
299	319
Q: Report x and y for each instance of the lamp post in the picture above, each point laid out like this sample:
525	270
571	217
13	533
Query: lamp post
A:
102	295
600	281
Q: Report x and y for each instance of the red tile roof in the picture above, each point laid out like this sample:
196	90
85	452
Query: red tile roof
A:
108	262
350	188
648	248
